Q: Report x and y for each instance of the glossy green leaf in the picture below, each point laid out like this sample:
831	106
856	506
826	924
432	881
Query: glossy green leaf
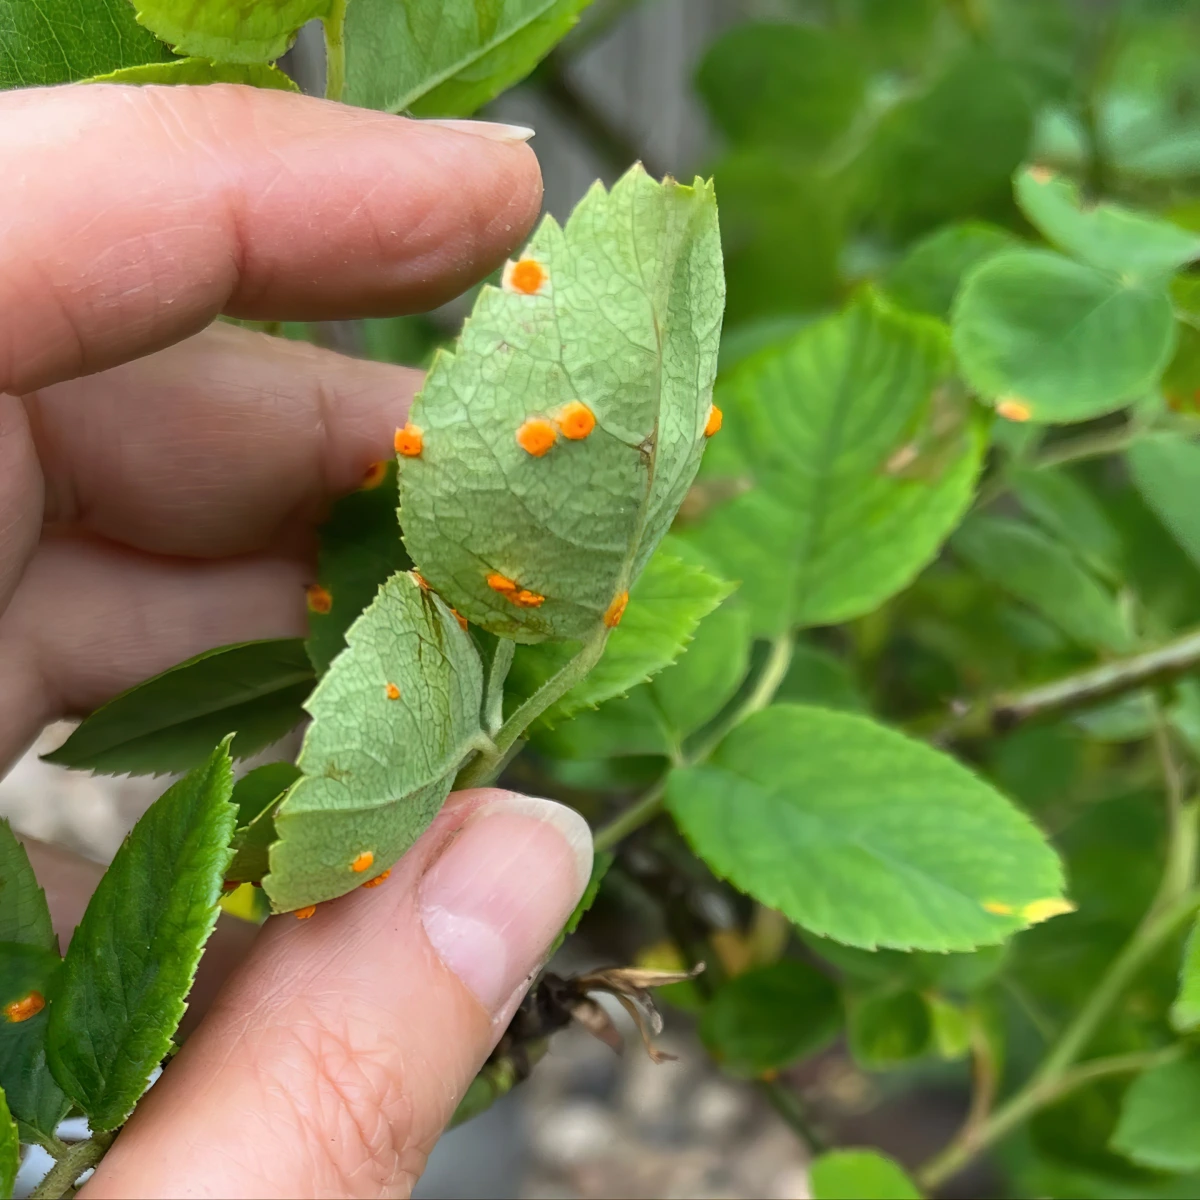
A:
59	41
928	277
771	1017
231	31
446	60
132	960
666	605
1063	340
1070	511
195	72
1160	1118
256	795
24	914
1045	575
1166	470
889	1029
10	1149
1103	235
862	835
393	719
794	87
170	723
626	321
857	1174
360	551
849	460
1185	1012
26	969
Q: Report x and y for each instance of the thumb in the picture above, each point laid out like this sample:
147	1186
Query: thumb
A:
335	1055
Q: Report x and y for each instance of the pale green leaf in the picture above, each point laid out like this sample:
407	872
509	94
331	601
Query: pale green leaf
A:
10	1149
1160	1118
170	723
231	31
626	321
1103	235
667	603
24	914
859	1174
59	41
889	1029
855	459
1062	340
133	957
1166	470
1045	575
1185	1012
771	1017
860	834
434	58
393	719
199	71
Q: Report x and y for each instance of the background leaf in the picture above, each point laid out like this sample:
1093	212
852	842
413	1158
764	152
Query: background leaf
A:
171	722
393	719
1166	469
889	1029
633	338
199	71
10	1149
770	1017
256	795
826	522
446	60
231	31
24	914
1185	1012
859	834
132	960
1064	340
1160	1118
853	1174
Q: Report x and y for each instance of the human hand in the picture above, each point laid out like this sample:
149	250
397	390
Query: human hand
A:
156	502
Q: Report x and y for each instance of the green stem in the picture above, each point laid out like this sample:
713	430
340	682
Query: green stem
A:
1092	445
335	50
82	1156
787	1104
641	812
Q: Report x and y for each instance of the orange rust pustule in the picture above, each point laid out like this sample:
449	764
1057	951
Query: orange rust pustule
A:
380	878
320	599
392	692
716	418
26	1007
409	441
501	583
302	914
576	420
420	580
526	276
363	862
536	436
1012	409
527	599
462	621
616	610
374	475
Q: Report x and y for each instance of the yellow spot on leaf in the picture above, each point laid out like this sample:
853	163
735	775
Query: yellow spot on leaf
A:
378	879
410	441
616	610
22	1010
302	914
526	276
536	436
363	862
393	692
375	474
716	419
998	909
1012	409
319	599
576	420
1043	910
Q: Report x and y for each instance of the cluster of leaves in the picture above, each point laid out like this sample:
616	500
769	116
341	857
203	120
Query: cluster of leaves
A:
854	689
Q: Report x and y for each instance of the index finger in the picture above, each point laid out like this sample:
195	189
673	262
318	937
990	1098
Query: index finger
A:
133	216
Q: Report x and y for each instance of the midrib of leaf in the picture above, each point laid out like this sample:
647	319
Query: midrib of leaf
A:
483	51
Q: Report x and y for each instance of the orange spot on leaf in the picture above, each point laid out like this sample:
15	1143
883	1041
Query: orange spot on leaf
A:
1042	175
410	441
527	599
393	692
420	580
302	914
363	862
22	1010
715	420
616	610
1012	409
378	879
462	621
320	600
576	420
375	474
526	276
500	583
536	436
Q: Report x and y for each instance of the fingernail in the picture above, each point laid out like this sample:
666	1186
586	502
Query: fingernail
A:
492	130
502	890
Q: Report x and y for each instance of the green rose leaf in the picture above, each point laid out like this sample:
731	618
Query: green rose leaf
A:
1058	341
850	460
133	958
256	795
1103	235
10	1149
1166	470
24	914
854	1174
617	315
1185	1012
60	41
1159	1125
889	1030
794	87
171	722
1067	509
1045	575
860	834
666	605
393	719
27	969
446	60
232	31
360	551
822	679
199	71
771	1017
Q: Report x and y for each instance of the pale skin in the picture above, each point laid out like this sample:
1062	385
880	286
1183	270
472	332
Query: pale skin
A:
160	480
